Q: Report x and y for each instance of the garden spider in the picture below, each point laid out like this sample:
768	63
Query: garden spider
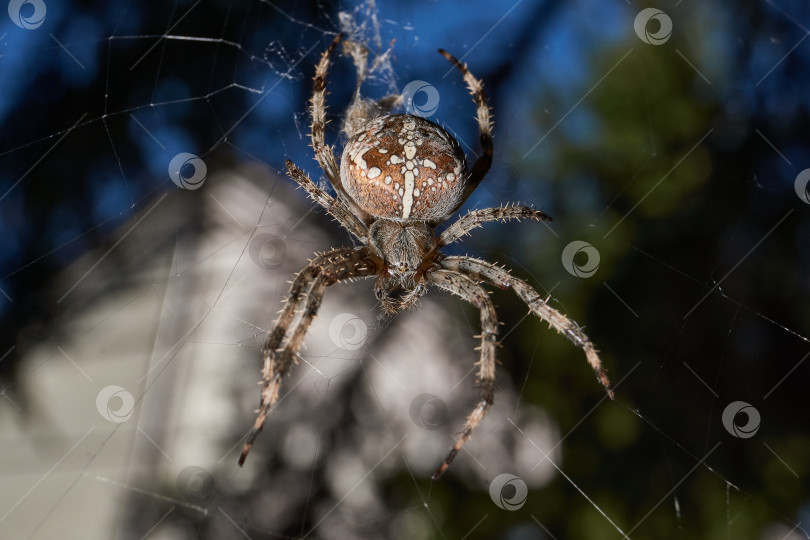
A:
401	176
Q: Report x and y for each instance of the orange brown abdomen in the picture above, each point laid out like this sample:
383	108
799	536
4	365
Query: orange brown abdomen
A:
404	167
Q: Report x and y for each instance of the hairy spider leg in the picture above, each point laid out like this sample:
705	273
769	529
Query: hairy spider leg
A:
476	218
335	207
307	291
484	116
324	153
500	277
465	287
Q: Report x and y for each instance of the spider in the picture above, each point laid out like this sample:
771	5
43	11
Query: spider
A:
400	176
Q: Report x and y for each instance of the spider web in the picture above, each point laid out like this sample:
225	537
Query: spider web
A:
149	235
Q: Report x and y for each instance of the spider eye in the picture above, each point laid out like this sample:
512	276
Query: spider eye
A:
404	167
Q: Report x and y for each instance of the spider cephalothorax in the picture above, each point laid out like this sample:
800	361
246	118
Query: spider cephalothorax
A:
399	177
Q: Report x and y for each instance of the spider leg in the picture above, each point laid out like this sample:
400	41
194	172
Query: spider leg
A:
335	207
475	218
482	164
465	287
272	370
362	110
496	275
307	290
324	153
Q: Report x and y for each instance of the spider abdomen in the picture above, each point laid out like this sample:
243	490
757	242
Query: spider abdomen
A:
404	167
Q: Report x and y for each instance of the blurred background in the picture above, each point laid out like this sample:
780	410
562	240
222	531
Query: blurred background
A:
669	142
